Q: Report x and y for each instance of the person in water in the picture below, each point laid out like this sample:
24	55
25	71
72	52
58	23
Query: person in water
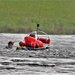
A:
22	44
33	35
10	45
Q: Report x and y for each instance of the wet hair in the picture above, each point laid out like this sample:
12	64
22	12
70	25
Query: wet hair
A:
33	35
11	42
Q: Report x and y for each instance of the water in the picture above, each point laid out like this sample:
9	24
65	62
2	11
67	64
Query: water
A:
58	61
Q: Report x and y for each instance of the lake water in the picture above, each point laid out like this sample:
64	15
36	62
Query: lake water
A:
59	60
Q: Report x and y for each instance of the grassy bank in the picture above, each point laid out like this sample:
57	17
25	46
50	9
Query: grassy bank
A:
21	16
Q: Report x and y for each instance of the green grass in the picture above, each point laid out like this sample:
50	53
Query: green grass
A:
21	16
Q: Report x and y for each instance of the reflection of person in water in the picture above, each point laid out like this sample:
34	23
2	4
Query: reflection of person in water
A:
10	45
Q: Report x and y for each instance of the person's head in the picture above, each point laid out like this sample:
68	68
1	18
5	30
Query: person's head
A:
10	44
33	35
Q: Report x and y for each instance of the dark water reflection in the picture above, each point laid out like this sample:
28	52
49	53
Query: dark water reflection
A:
58	61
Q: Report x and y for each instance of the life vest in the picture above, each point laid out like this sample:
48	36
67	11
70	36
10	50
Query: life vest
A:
44	40
31	41
22	43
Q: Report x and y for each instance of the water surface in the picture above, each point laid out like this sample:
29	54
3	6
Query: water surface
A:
59	60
